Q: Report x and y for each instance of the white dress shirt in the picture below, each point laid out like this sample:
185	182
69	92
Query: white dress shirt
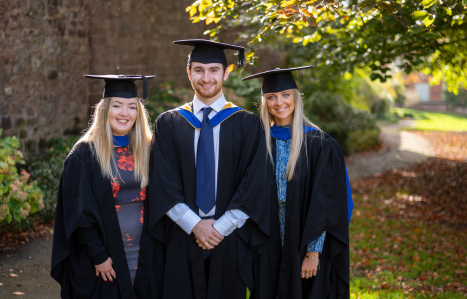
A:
181	213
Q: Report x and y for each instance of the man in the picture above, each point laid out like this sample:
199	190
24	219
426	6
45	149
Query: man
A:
208	186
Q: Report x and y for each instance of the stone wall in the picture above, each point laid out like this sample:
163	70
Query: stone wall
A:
42	49
135	37
46	46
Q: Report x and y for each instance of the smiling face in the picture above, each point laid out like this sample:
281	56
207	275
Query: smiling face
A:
281	106
122	115
207	80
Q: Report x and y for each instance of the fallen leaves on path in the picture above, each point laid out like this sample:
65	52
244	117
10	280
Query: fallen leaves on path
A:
18	293
448	145
409	228
13	275
11	240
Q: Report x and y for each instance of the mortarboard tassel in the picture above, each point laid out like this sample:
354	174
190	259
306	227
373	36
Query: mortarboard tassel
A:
241	58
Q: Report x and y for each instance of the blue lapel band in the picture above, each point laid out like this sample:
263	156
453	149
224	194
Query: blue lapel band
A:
226	112
349	194
284	134
121	140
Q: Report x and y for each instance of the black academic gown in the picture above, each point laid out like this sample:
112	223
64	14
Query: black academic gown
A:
85	200
316	201
241	185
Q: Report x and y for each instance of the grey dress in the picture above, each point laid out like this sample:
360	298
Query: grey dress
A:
129	204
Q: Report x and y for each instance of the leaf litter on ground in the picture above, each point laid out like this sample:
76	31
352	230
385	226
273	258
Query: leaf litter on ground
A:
409	228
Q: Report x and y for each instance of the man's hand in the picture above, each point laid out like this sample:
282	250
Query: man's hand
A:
310	265
106	270
206	235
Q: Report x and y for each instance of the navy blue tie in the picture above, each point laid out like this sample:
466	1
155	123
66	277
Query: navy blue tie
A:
205	166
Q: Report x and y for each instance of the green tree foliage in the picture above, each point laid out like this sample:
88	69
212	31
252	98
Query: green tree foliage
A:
18	197
343	35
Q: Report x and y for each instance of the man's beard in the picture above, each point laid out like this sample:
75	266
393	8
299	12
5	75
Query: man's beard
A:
207	93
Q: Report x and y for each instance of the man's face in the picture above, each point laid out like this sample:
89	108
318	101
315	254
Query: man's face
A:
207	79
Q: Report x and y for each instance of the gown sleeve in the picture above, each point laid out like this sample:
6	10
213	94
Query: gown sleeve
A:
250	197
76	208
166	178
329	194
89	237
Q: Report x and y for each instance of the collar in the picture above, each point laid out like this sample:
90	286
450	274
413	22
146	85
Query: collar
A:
121	140
216	106
284	133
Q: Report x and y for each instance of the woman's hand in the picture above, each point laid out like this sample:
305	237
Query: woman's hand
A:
106	270
310	265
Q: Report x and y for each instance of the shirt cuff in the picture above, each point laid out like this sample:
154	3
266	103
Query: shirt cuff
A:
184	217
231	220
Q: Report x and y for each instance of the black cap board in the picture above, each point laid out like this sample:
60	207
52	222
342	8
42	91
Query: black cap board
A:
122	86
206	51
278	79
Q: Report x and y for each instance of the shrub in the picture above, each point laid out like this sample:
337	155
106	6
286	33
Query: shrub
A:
249	90
18	198
48	172
166	97
381	107
354	129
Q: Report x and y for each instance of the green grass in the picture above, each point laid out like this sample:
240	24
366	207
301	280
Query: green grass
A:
434	121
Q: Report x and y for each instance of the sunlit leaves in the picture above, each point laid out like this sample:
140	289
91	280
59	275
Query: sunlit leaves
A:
428	3
420	15
428	20
342	35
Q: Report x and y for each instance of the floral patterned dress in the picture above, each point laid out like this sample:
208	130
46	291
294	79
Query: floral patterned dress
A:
129	204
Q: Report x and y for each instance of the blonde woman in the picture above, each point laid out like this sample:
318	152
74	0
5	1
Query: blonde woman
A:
100	248
308	251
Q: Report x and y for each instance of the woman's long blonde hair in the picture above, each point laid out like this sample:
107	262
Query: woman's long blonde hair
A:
299	119
99	136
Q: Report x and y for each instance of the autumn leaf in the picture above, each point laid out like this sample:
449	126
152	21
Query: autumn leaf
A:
13	275
18	293
305	11
210	18
311	20
232	67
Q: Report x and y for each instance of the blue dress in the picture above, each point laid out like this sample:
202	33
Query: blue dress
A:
282	158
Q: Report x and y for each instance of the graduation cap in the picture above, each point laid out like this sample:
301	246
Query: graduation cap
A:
278	79
206	51
122	86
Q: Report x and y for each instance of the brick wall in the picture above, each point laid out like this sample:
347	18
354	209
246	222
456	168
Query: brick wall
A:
47	46
42	50
135	37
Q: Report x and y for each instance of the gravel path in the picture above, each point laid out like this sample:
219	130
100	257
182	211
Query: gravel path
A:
402	148
31	264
